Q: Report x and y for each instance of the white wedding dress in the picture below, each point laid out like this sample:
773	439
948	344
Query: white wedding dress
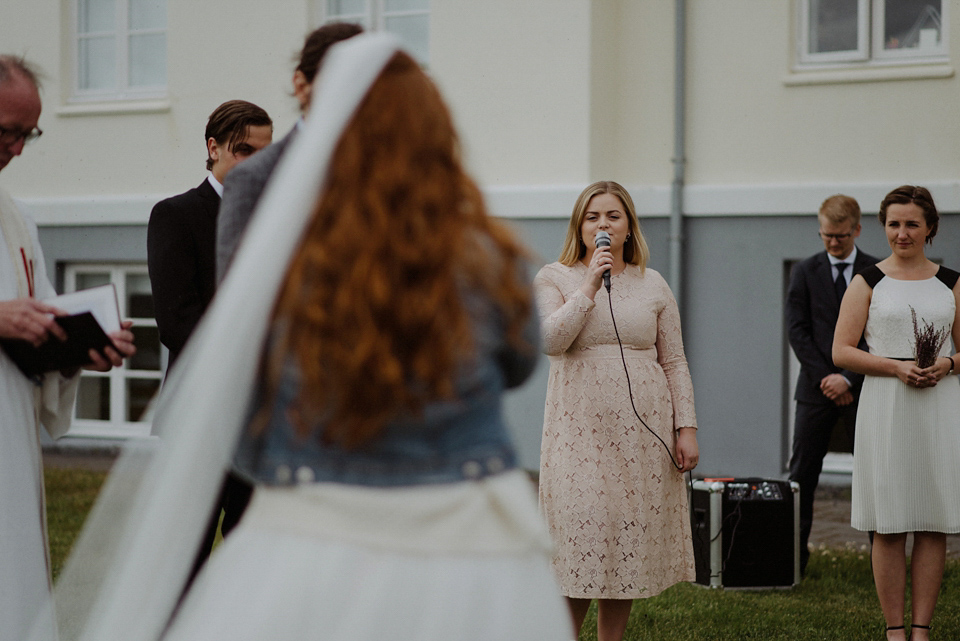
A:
380	563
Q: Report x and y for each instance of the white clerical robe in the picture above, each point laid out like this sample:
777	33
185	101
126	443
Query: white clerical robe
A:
24	567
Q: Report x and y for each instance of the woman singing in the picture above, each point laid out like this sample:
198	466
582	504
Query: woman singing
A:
615	502
905	473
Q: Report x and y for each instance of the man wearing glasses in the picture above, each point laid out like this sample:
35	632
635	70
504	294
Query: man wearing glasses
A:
27	402
825	393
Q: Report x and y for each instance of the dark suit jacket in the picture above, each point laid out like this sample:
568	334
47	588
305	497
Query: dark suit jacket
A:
181	239
242	189
811	313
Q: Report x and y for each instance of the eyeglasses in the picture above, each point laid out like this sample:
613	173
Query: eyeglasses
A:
11	136
838	237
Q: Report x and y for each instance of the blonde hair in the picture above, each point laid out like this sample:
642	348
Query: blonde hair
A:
839	209
635	250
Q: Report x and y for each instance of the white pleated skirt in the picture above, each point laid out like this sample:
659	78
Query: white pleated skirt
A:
459	561
906	476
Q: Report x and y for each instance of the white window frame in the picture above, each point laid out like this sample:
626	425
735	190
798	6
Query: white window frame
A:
373	18
860	54
907	55
121	34
117	426
870	40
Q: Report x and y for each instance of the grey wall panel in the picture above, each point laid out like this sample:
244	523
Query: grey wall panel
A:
732	311
92	244
733	329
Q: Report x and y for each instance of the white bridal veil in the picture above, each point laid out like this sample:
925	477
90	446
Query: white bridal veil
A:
128	567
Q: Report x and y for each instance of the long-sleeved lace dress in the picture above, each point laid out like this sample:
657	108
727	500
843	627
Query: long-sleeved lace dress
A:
615	504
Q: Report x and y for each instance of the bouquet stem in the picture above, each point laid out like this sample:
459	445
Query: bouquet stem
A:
929	340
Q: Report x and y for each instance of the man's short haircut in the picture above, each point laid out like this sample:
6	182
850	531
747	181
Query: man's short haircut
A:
316	45
229	124
11	66
840	209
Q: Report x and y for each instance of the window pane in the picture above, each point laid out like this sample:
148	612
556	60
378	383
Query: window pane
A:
140	391
139	296
346	7
414	31
147	340
406	5
92	279
148	60
911	24
833	25
96	15
93	398
97	63
148	14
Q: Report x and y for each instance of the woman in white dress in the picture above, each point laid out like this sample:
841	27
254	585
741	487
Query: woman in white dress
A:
905	477
384	476
382	312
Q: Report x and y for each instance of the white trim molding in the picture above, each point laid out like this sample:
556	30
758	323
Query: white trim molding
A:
115	108
787	199
544	201
808	76
556	201
90	210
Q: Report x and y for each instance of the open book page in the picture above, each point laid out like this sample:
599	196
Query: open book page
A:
99	301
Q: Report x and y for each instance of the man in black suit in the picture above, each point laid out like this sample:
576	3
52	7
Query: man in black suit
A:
181	257
825	393
245	186
181	235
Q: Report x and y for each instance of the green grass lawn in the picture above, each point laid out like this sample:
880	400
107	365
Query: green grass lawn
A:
70	495
835	602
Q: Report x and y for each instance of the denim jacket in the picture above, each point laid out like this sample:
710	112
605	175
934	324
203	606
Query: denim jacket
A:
454	440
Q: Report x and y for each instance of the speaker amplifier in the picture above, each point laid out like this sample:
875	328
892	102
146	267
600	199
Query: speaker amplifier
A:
746	532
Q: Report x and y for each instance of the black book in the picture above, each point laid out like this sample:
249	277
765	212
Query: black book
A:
84	332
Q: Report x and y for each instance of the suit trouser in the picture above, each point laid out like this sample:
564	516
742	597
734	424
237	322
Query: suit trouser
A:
812	430
234	497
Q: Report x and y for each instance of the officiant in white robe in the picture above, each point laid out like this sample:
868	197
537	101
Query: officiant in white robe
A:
27	403
24	572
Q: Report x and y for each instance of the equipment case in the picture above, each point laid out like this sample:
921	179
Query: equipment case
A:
746	532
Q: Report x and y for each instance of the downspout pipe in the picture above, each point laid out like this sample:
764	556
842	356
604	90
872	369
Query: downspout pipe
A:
679	159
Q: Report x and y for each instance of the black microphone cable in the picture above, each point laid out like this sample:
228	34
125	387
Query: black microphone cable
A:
630	388
626	371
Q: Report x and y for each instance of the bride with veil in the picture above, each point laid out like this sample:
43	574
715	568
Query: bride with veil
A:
352	366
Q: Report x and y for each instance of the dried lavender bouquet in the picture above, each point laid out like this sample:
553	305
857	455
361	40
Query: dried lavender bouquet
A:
929	340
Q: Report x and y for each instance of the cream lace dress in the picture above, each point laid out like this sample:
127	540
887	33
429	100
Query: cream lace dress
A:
615	504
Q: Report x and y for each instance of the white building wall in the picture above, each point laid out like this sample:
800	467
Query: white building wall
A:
516	75
550	95
217	51
753	121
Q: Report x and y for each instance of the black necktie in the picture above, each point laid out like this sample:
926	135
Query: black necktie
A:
840	284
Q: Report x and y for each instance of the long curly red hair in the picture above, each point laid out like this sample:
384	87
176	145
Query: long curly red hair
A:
372	305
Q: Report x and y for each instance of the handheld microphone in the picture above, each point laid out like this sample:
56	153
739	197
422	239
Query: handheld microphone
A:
602	239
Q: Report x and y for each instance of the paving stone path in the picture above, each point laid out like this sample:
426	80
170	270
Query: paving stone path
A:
831	523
